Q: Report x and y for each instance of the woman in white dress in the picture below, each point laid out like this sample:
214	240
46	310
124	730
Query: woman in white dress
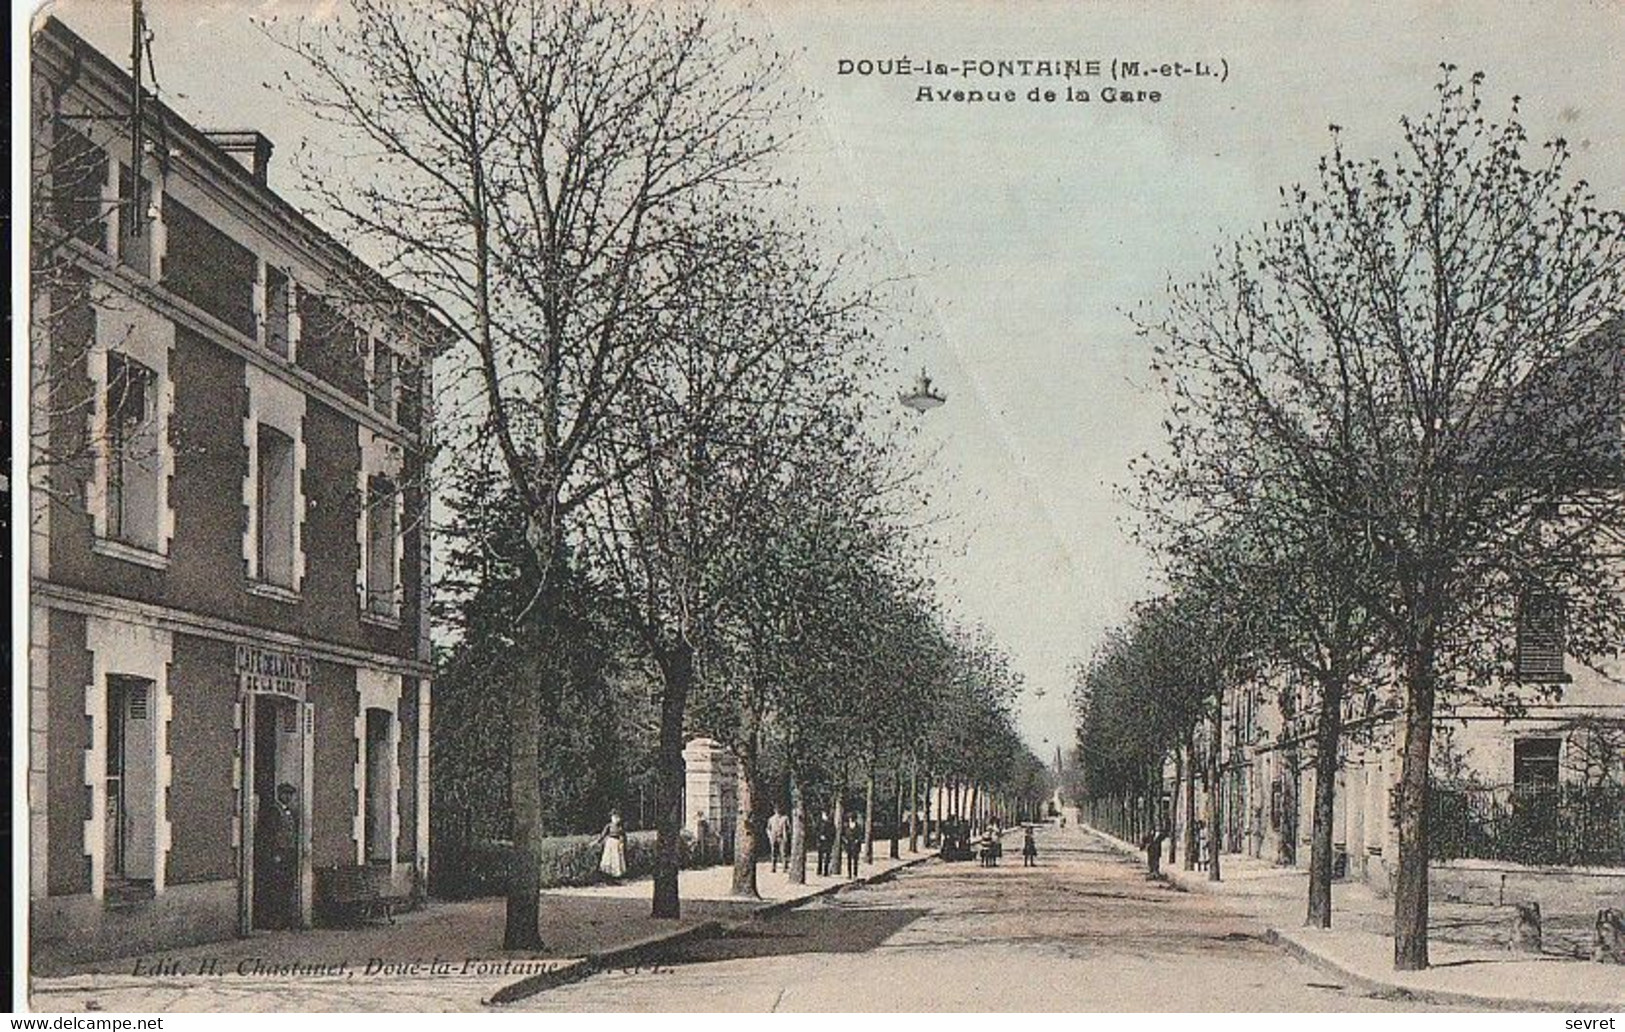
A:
613	862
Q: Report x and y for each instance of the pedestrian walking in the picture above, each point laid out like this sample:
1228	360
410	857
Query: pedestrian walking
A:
854	844
612	861
1029	848
826	843
778	837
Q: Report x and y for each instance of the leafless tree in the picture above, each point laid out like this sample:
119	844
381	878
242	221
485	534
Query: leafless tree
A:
532	168
1418	342
752	375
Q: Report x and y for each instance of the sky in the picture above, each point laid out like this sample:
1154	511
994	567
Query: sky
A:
1029	229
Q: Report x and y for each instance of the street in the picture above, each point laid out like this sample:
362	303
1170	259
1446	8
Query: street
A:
1084	931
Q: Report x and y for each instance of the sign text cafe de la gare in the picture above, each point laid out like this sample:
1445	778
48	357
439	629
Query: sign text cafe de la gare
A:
273	670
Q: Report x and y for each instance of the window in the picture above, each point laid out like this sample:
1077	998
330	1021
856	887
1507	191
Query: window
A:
331	346
208	268
135	221
78	172
383	380
134	453
277	311
380	786
380	557
1534	761
129	780
277	518
1540	643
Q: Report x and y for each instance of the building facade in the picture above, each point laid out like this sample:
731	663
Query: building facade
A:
229	679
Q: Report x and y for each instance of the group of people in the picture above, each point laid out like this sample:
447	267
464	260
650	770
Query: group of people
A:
988	847
832	842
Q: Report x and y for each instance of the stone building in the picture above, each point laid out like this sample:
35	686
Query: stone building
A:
228	563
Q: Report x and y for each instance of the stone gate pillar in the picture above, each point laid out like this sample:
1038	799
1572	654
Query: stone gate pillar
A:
712	793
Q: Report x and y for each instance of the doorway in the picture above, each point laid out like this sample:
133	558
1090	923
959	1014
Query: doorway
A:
277	812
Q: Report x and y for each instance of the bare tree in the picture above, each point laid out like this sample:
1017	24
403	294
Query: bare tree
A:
753	369
1414	342
529	168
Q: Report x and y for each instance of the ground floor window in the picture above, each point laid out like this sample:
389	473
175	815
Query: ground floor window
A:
1534	761
380	774
129	787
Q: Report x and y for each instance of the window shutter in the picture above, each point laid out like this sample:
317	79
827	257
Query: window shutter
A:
1541	637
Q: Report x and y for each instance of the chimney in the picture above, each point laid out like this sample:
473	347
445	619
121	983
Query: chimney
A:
251	149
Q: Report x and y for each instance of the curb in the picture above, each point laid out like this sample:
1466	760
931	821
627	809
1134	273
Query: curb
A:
625	956
1376	986
592	963
1442	997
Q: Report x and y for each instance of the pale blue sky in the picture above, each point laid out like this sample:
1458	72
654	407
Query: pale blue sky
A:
1029	228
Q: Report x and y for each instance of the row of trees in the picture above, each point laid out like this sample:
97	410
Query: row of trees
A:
1392	438
659	404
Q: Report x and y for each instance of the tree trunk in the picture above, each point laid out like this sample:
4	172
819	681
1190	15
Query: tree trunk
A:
970	805
798	830
869	817
677	674
897	824
1215	807
1179	781
522	923
840	825
914	808
1411	885
1190	799
1328	736
746	839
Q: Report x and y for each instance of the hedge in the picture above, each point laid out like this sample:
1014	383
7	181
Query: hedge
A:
481	868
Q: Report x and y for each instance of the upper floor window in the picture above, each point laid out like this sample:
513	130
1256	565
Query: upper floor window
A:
332	346
1540	644
277	518
134	454
384	388
278	311
382	528
78	170
136	215
208	268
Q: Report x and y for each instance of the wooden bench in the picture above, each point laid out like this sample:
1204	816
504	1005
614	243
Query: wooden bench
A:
353	893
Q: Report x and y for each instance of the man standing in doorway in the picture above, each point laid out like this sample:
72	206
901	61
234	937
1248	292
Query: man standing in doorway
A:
279	824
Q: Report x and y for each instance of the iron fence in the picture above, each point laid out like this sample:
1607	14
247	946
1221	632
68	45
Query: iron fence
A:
1542	824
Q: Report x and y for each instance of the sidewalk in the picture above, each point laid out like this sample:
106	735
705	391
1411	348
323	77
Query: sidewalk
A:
1470	966
445	957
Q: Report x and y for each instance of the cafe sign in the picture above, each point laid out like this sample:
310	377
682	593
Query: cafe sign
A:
273	670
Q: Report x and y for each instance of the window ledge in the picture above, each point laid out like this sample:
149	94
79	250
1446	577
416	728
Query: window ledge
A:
1550	678
265	589
389	620
115	549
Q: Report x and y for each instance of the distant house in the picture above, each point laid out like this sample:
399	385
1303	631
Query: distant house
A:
228	574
